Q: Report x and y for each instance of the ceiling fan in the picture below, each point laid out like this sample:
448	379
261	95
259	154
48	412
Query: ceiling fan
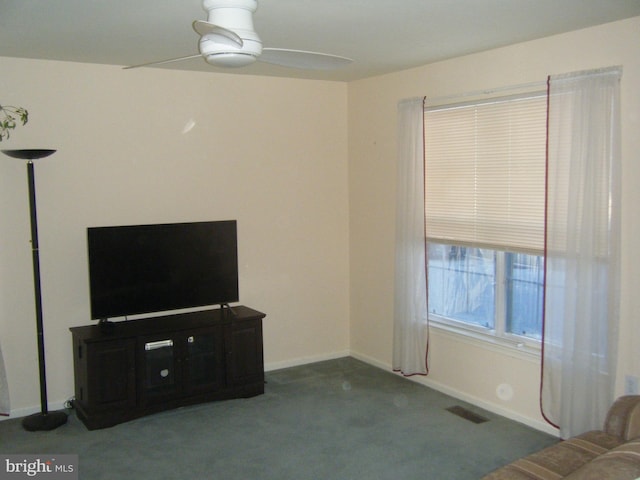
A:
228	39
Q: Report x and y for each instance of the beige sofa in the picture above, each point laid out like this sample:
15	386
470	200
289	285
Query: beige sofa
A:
609	454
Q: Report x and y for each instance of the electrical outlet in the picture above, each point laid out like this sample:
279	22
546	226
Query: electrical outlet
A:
631	385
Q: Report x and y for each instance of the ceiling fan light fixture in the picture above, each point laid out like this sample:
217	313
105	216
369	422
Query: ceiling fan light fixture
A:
230	59
221	54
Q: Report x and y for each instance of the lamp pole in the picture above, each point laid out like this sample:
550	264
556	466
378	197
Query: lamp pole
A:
44	420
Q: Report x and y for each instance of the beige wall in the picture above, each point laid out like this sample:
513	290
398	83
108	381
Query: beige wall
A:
151	145
457	366
307	168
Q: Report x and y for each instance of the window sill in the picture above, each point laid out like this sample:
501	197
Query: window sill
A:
504	346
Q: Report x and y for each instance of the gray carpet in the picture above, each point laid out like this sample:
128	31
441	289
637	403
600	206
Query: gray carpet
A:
340	419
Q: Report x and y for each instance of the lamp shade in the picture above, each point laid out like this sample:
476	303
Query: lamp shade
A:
29	154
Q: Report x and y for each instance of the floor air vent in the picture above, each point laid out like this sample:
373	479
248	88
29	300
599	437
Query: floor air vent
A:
467	414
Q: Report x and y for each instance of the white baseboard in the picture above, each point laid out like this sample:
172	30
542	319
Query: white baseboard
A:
59	405
296	362
371	361
23	412
491	407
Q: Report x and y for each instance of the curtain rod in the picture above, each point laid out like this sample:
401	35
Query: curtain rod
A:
489	91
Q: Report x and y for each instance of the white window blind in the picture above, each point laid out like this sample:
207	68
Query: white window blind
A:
485	173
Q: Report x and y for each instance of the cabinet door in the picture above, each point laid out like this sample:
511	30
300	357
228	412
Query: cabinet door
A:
245	364
111	375
203	363
159	373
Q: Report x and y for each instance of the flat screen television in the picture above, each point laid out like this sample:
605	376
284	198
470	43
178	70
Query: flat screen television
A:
140	269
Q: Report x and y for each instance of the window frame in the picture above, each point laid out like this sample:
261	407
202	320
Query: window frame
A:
498	334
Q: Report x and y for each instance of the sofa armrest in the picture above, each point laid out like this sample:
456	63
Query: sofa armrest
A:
623	418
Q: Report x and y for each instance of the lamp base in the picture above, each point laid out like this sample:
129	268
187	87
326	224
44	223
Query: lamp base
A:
44	421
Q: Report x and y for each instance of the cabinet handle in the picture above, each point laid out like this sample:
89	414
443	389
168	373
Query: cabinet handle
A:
158	344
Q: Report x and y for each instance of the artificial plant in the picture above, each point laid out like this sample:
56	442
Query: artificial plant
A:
9	118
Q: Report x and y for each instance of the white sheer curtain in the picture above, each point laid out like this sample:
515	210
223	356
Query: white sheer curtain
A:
4	389
582	245
410	334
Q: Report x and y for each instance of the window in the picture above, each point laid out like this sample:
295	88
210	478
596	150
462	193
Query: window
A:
484	204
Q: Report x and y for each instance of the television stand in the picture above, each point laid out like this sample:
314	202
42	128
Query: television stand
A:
139	367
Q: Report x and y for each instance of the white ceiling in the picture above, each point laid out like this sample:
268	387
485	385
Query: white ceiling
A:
381	36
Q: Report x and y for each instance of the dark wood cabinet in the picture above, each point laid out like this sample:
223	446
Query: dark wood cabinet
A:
138	367
244	353
205	348
114	384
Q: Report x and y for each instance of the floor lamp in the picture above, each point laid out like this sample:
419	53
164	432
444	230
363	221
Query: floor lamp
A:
45	420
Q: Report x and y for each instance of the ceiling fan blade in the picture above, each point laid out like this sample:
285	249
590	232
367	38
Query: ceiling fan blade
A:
162	61
303	59
223	35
